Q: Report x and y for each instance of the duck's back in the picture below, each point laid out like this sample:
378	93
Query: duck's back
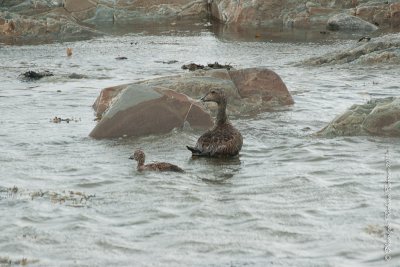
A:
222	141
162	167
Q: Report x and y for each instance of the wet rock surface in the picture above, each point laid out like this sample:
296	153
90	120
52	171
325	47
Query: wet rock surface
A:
33	75
161	104
303	14
68	20
378	117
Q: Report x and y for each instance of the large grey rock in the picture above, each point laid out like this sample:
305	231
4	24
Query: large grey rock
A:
379	117
159	105
385	49
345	22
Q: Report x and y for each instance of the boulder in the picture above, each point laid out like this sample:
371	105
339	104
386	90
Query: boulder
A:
385	49
345	22
140	110
379	117
165	102
247	12
249	91
376	14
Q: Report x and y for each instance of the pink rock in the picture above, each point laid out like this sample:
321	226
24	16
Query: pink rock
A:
262	82
159	105
143	111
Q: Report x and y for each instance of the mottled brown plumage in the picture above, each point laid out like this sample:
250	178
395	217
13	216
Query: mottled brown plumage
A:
223	140
139	156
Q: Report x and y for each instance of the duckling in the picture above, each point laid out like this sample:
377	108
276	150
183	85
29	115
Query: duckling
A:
69	51
223	140
139	156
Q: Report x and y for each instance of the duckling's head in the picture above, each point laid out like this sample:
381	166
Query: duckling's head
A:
215	95
138	156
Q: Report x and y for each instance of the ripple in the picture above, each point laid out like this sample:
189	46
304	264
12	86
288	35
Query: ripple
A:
288	199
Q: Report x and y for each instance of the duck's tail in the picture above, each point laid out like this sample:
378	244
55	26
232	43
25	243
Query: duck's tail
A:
195	151
176	169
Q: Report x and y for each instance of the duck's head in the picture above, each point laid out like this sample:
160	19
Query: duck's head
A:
138	156
215	95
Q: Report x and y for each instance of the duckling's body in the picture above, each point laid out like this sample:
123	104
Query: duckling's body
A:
139	156
224	140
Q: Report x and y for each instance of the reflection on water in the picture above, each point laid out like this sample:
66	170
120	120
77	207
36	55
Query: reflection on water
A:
289	199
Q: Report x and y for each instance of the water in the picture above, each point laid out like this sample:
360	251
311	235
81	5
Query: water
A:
289	200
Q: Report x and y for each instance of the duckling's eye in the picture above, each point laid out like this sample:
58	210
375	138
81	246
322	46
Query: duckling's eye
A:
212	92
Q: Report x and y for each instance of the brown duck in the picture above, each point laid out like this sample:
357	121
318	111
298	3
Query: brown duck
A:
156	166
223	140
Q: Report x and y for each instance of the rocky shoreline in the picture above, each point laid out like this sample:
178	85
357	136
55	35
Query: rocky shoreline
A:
27	22
384	49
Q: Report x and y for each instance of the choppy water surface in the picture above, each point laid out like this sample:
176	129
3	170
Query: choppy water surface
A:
289	200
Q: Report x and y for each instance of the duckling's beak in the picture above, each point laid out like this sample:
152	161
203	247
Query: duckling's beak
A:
131	157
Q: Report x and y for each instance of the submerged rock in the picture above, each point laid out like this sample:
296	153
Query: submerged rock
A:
162	104
33	75
215	66
192	67
167	62
77	76
379	117
385	49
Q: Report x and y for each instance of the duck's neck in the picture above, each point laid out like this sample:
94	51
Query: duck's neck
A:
221	116
140	164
